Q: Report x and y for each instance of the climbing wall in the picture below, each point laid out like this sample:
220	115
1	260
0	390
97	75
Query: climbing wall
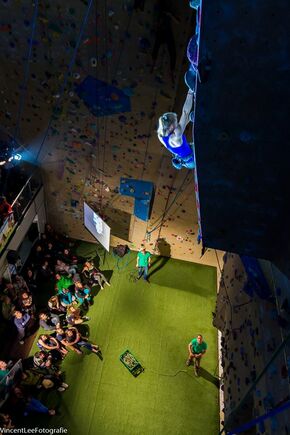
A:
101	125
242	127
251	333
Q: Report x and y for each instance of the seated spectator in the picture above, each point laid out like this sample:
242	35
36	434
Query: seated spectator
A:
94	275
73	338
50	252
6	421
45	271
47	342
10	291
19	285
60	336
62	267
83	293
5	209
68	258
26	304
54	305
74	317
7	308
42	360
66	298
49	233
21	323
43	239
30	378
30	278
49	321
26	404
62	281
38	255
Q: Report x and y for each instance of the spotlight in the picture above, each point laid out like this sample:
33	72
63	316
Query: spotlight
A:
17	157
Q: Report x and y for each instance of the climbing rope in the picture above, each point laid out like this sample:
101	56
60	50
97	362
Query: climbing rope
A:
66	77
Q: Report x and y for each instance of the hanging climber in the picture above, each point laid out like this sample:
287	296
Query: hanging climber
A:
171	134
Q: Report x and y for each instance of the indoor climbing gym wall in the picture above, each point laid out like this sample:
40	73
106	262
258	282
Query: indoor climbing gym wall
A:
255	367
91	97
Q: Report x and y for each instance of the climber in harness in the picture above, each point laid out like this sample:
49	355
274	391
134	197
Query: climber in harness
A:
171	134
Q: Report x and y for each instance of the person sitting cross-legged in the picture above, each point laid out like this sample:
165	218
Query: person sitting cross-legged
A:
63	280
83	293
66	298
74	316
47	342
61	337
54	305
49	321
74	338
196	349
43	364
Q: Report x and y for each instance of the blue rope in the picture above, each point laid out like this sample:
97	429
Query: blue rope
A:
197	31
69	70
26	74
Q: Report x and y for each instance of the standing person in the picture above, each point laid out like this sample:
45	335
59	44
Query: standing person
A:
143	263
21	321
196	349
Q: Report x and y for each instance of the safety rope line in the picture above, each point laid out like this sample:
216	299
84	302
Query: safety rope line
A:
196	188
167	208
106	117
26	73
66	77
23	88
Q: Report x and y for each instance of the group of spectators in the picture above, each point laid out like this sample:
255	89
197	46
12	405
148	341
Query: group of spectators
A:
51	263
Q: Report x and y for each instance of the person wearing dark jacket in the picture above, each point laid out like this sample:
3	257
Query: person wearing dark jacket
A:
49	321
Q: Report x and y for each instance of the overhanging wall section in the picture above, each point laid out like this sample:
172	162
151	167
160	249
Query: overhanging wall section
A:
242	127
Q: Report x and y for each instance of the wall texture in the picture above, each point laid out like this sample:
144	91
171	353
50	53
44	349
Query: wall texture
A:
104	124
251	332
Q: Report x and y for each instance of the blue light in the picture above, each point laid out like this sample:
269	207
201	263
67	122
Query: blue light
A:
17	157
194	4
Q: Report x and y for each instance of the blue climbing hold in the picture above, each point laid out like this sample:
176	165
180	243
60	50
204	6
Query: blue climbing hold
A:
192	50
190	78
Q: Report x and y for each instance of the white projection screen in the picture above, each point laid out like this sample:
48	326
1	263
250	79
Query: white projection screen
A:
97	227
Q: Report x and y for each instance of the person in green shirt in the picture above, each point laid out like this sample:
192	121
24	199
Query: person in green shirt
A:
143	263
196	349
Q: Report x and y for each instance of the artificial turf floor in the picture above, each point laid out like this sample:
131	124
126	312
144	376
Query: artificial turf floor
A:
155	322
